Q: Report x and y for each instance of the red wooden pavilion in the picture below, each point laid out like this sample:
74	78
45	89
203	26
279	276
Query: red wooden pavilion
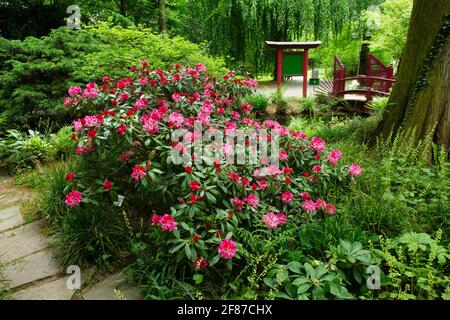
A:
291	61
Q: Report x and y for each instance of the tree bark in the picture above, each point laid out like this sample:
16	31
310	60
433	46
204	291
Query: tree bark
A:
162	16
420	99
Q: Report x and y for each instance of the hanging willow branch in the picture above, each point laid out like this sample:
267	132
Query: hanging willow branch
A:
239	28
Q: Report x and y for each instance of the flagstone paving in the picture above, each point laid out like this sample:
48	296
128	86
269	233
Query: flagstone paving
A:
31	273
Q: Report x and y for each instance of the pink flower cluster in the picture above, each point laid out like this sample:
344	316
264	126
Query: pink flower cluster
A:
273	221
354	170
166	222
73	198
312	206
227	249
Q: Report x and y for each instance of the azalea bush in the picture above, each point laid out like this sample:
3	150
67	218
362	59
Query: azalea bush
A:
194	211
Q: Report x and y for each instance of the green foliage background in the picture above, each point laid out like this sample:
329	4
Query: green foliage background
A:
35	73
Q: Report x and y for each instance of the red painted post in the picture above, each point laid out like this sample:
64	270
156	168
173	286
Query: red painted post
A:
279	68
305	73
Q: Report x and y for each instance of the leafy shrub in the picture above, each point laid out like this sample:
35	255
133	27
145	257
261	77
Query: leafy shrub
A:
19	152
201	212
313	280
259	102
307	104
62	143
339	275
279	102
416	267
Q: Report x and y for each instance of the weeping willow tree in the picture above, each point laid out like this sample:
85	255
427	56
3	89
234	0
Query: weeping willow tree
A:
239	28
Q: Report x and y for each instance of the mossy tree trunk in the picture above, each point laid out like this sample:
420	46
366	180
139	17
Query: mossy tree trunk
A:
419	102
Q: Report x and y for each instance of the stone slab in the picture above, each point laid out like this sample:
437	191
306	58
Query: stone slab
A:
11	222
55	290
9	212
21	242
34	267
104	290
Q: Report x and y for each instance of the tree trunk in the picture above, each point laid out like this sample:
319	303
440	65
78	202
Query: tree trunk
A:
419	102
364	55
122	8
162	16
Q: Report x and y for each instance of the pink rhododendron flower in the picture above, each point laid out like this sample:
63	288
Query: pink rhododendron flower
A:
354	170
74	91
207	107
200	67
150	125
238	202
267	171
281	218
204	118
175	120
334	156
67	101
122	129
270	220
107	185
282	155
227	249
246	107
91	121
305	196
235	115
143	81
92	134
69	176
299	134
287	197
262	184
227	150
320	204
91	91
331	209
250	82
73	199
77	125
273	221
176	77
317	144
141	103
176	97
316	168
309	206
168	223
155	219
123	96
138	172
195	186
252	200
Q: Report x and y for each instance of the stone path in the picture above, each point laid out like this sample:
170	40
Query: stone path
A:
291	88
29	270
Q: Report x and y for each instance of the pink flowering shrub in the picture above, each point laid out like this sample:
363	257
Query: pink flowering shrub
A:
192	210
